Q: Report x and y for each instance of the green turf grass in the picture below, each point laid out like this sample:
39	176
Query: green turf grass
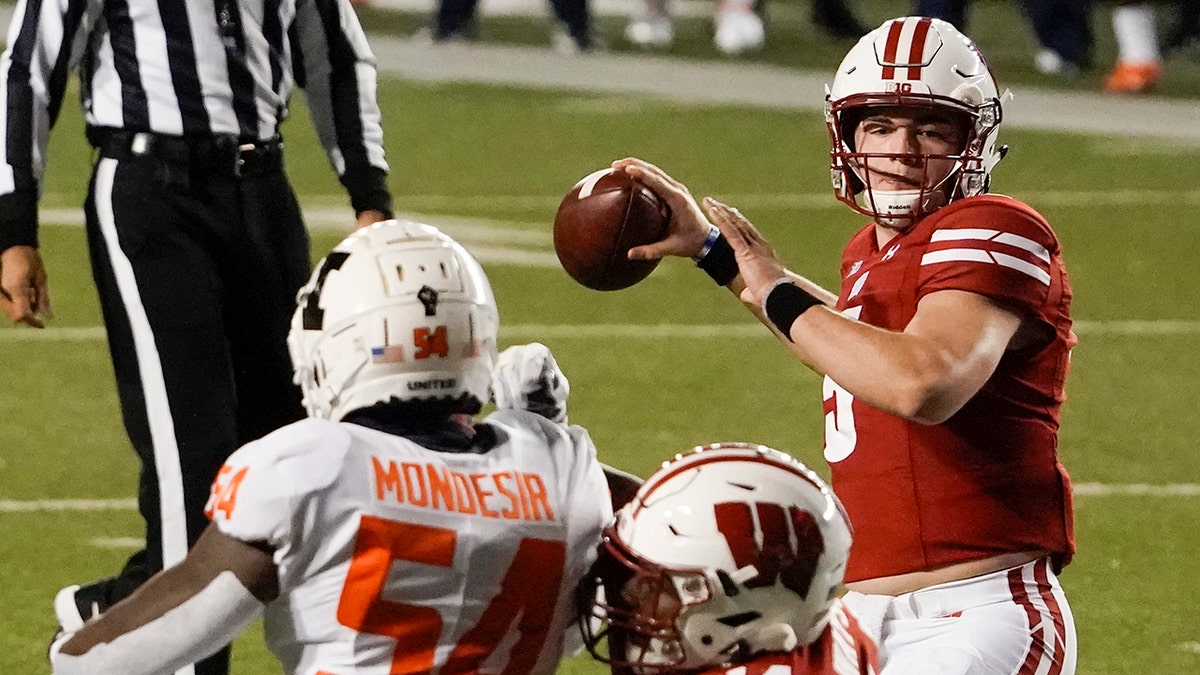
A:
509	155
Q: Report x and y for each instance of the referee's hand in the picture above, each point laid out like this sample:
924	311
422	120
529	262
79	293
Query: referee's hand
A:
368	218
24	295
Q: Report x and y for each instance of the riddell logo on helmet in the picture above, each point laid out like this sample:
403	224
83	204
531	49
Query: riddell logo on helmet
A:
431	385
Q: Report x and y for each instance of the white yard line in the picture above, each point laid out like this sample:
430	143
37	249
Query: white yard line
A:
1081	490
320	216
1134	328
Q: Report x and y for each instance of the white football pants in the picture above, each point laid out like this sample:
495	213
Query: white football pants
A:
1011	622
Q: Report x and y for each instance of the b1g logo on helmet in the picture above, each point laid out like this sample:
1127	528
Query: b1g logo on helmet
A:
790	548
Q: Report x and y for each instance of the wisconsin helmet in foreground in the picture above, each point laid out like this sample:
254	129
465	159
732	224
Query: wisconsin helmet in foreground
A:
601	218
727	554
397	311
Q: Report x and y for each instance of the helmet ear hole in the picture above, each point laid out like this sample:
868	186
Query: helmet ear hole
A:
848	123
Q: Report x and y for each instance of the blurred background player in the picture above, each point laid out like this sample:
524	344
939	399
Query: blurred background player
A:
454	20
389	532
944	356
1183	33
1139	62
1062	28
737	24
728	559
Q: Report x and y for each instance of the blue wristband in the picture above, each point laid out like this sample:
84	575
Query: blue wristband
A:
713	235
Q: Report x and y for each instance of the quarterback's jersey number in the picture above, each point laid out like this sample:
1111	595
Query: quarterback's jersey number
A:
840	434
528	591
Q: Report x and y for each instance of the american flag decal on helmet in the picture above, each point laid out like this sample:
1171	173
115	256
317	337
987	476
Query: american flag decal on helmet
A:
908	47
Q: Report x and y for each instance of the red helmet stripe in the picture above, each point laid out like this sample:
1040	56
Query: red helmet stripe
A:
890	49
916	51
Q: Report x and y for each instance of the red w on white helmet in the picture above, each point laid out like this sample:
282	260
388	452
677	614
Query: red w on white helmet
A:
727	551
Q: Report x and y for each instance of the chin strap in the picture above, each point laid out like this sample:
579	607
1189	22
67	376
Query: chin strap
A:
901	208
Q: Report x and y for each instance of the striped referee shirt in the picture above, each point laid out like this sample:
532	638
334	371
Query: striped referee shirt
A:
186	68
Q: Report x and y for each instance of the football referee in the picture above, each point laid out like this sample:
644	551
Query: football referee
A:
196	240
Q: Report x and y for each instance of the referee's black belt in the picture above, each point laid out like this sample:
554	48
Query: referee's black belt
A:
220	153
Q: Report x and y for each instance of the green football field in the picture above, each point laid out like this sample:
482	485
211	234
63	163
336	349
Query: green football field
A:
674	362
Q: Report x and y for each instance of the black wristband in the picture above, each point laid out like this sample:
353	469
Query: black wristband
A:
720	263
784	303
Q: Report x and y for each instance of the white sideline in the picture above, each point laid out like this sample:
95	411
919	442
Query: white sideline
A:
1081	490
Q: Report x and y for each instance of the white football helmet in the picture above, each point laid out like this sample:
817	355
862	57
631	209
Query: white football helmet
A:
725	552
397	311
913	61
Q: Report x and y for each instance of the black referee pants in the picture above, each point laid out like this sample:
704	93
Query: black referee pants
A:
197	269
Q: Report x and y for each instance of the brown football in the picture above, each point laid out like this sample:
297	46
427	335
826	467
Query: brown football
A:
601	218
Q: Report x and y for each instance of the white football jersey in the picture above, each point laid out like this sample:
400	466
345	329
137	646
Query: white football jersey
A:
394	558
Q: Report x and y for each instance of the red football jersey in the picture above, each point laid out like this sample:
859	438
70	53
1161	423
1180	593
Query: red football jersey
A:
988	480
843	649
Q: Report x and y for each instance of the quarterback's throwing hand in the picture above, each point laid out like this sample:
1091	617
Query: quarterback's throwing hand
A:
527	377
688	227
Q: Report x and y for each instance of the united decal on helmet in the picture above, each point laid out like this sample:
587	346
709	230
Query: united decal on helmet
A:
921	62
397	311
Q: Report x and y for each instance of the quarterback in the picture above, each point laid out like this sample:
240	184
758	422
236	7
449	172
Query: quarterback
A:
390	532
727	561
944	354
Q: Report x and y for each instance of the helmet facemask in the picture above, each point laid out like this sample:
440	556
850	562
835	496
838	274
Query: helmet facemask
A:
922	64
632	606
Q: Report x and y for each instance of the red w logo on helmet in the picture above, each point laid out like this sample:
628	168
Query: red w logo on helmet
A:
790	547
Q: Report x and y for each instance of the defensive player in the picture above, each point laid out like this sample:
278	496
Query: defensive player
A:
944	355
729	559
388	533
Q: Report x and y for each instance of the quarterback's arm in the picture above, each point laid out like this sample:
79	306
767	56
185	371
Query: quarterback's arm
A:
177	617
925	373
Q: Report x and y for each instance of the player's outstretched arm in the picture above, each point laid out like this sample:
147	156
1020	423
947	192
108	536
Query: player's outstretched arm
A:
925	373
179	616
